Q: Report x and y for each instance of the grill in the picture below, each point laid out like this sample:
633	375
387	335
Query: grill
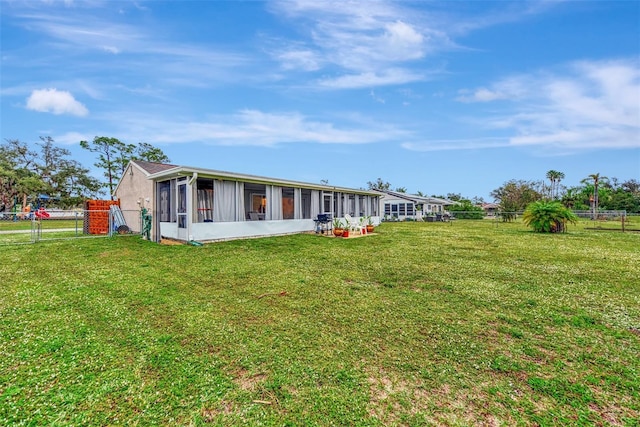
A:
323	223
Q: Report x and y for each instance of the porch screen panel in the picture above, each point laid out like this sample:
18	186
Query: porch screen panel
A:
356	208
345	204
224	204
274	203
205	205
172	201
315	203
203	201
297	203
328	199
288	202
164	188
240	215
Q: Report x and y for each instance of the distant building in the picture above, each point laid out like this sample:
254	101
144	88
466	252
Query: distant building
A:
490	209
401	206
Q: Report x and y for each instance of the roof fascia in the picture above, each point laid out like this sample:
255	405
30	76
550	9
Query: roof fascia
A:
180	171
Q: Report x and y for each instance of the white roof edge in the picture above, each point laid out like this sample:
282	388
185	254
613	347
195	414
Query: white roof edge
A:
416	198
189	171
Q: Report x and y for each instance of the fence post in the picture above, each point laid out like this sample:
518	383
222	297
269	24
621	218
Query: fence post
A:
36	230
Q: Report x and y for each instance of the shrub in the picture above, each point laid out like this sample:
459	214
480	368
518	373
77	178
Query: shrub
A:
466	210
548	217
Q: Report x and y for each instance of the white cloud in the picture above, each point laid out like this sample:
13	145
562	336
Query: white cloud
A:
480	95
111	49
365	44
56	102
306	60
456	144
72	138
371	79
590	104
402	41
254	128
138	49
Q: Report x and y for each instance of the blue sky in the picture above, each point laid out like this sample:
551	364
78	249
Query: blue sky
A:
438	97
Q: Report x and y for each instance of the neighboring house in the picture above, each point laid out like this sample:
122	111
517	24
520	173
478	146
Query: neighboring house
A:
194	204
402	206
490	209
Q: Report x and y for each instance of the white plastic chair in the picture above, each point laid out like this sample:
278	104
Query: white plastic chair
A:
352	224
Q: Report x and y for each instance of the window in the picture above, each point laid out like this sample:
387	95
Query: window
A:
326	203
362	205
410	209
374	206
166	201
402	209
306	203
288	211
387	209
255	201
182	203
204	200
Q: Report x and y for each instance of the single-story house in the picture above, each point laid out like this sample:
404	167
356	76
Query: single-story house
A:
194	204
401	206
490	209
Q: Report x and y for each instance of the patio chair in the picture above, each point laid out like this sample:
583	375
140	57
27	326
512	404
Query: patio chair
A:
352	224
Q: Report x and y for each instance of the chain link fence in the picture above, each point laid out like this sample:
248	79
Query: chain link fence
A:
43	225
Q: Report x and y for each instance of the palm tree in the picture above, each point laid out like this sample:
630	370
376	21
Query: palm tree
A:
596	179
555	177
559	177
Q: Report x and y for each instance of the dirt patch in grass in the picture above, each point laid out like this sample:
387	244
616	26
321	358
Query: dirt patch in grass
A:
248	381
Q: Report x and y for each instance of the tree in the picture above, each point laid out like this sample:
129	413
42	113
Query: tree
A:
15	159
26	173
596	179
554	177
64	178
464	209
379	184
401	190
147	152
111	155
548	217
621	200
514	196
632	186
114	155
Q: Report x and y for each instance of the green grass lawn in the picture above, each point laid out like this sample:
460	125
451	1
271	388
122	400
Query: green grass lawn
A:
48	224
423	323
